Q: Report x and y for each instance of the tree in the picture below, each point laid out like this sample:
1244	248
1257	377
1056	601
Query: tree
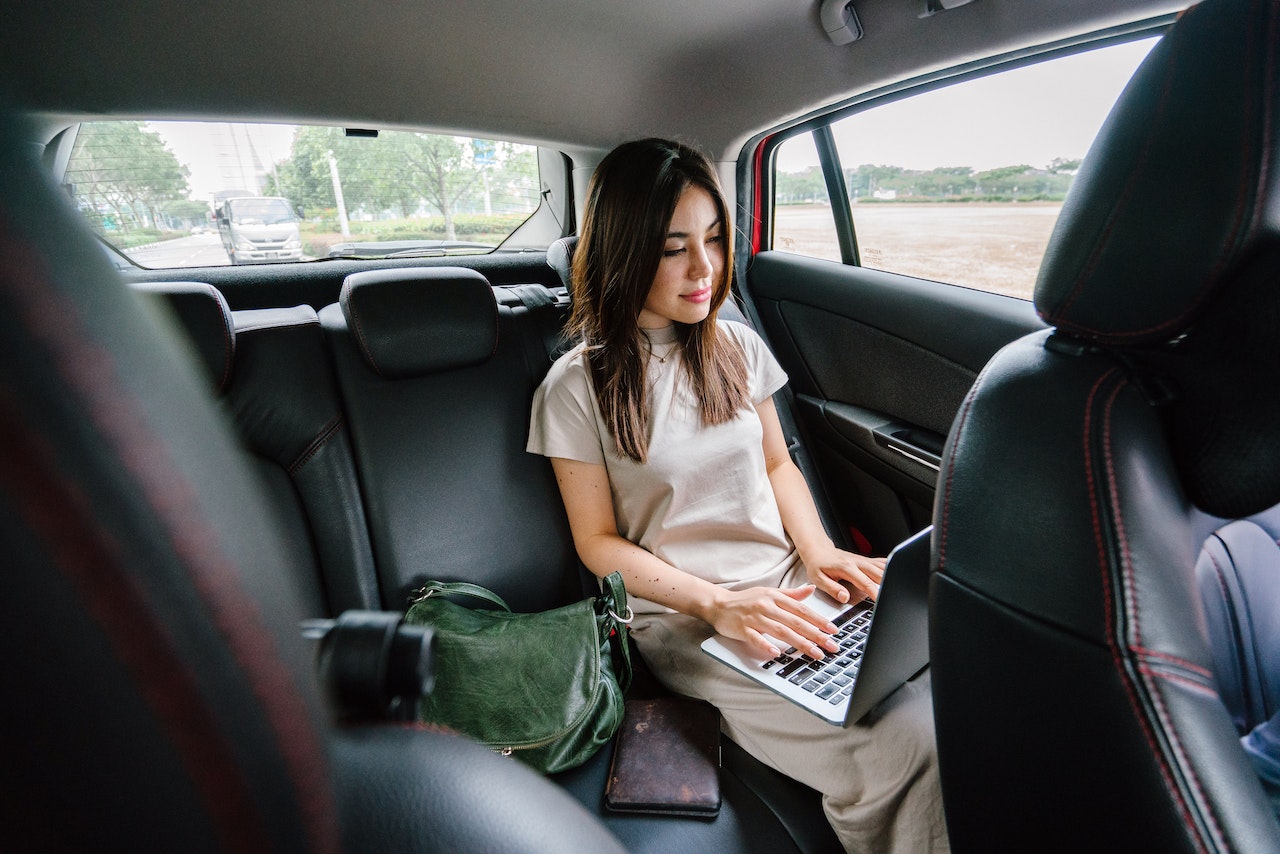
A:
127	169
401	171
1002	181
944	181
304	178
800	187
868	178
446	168
188	210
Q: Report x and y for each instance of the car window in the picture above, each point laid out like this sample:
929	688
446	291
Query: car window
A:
189	194
961	184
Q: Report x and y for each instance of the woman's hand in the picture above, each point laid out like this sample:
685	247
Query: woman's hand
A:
828	566
749	615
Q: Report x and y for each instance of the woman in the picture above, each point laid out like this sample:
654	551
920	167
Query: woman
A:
673	469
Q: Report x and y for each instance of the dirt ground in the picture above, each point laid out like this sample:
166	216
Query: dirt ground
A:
991	247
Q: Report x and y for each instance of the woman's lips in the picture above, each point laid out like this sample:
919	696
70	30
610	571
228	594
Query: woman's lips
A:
697	296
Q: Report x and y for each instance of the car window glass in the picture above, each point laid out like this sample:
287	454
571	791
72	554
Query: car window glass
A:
189	194
961	184
802	217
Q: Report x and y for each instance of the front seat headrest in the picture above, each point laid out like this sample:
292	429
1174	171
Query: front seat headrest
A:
1179	190
560	258
1168	248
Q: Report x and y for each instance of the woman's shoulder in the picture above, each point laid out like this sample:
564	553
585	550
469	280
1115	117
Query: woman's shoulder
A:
746	337
765	374
569	372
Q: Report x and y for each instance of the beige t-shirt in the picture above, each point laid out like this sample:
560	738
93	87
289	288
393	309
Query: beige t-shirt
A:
702	502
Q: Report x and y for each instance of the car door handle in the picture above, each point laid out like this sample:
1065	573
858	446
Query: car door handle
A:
921	446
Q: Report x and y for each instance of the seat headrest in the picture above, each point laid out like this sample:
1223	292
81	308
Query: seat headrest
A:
421	321
1179	192
1168	247
203	312
560	257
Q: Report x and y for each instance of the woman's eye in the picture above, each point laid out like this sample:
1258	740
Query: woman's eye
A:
671	253
719	238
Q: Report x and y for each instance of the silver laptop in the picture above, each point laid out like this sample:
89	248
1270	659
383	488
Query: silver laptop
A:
842	687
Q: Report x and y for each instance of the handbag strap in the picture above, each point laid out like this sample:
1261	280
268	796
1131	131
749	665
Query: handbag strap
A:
461	588
614	594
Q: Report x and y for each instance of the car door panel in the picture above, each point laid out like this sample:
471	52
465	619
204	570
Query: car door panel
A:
879	365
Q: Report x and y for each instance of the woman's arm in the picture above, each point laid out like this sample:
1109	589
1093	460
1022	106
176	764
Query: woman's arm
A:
747	615
826	565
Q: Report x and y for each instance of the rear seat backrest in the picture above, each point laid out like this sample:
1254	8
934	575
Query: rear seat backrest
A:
438	379
271	371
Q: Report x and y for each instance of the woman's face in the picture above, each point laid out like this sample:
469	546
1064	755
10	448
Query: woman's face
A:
692	263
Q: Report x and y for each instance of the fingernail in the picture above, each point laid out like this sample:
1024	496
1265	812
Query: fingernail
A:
830	628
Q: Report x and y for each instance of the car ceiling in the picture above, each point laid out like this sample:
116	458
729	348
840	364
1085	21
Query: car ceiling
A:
579	75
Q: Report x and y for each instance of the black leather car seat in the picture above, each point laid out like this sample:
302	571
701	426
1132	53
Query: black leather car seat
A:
1075	697
437	379
270	370
158	695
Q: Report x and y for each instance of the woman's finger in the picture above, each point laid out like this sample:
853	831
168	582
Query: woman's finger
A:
806	630
830	586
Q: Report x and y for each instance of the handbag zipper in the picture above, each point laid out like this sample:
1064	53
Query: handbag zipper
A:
510	749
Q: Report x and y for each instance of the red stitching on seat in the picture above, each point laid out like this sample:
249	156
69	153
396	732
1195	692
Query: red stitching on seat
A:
1122	201
1152	690
1173	659
1181	680
961	420
90	373
60	516
1091	482
327	432
1109	610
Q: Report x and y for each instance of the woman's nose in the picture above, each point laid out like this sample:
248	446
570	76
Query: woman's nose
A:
699	263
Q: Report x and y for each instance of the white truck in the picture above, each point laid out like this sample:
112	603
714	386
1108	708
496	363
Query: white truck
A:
259	229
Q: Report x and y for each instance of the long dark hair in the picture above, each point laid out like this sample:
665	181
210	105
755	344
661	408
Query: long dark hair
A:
630	202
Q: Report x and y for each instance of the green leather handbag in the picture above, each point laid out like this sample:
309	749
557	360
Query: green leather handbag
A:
545	687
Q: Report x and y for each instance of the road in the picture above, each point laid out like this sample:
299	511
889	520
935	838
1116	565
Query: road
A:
198	250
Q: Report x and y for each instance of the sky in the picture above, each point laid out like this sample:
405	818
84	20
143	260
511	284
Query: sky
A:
1029	115
212	153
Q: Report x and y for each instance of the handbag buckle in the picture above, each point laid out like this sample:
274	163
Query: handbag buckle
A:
422	594
626	621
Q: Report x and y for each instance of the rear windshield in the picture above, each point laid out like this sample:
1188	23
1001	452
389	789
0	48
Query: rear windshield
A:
193	194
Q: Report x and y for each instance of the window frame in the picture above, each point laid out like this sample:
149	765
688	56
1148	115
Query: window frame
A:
757	166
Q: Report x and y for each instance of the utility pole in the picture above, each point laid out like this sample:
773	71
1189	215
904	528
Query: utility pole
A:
337	195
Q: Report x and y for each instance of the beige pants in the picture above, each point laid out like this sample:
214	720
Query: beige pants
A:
878	778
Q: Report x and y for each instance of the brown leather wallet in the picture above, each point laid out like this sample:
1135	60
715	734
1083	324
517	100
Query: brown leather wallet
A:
667	760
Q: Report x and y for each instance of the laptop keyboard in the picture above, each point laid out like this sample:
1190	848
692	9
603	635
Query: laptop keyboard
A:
831	677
